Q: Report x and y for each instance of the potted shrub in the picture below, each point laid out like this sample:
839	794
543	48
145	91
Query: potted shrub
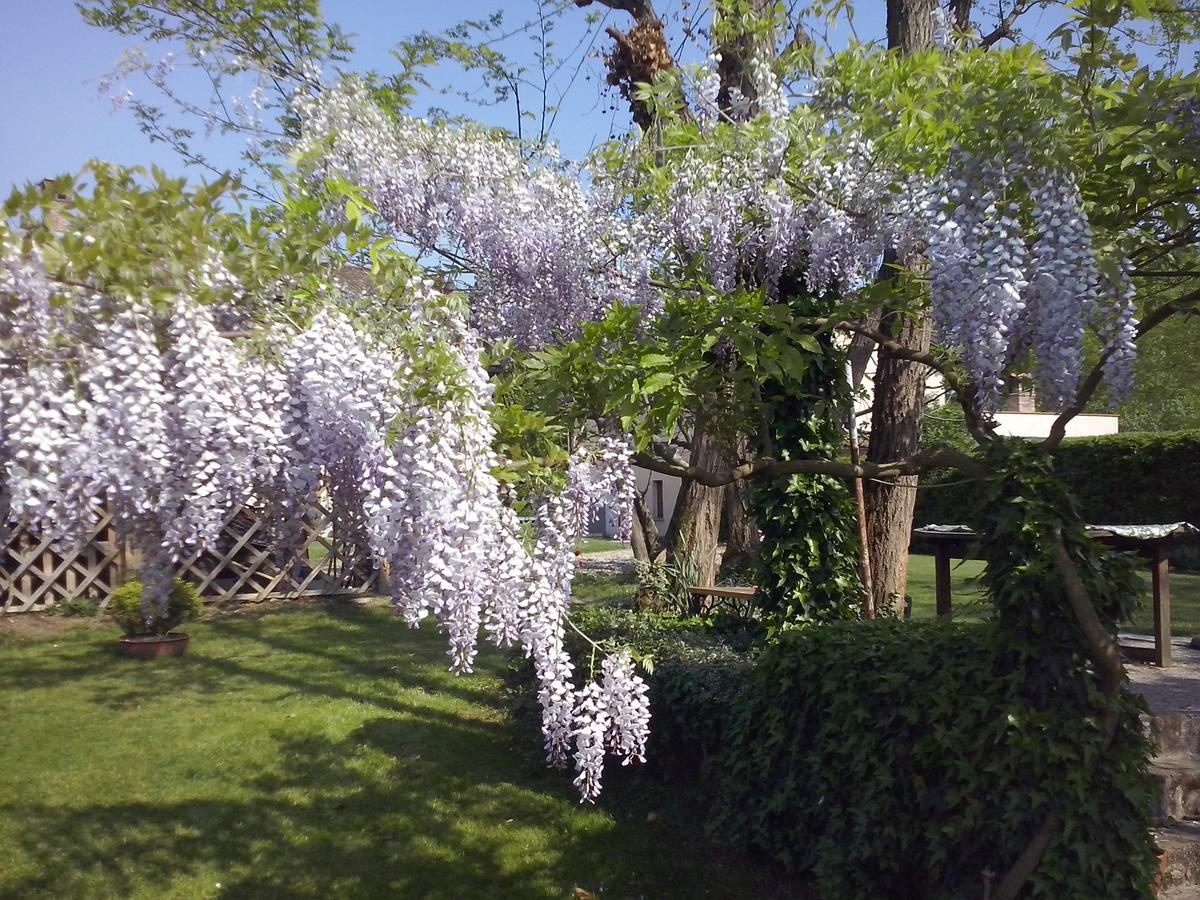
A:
150	638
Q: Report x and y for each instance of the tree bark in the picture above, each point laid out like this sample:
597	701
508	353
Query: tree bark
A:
696	524
737	52
644	539
895	434
899	388
742	537
910	25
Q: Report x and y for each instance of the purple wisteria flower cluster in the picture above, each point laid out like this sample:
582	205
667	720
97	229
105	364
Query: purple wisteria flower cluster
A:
781	197
93	411
544	255
1007	283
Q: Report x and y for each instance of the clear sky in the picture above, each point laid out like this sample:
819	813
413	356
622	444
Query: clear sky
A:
52	118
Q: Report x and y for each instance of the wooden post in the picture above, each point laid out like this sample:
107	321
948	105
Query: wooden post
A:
941	562
1160	579
860	505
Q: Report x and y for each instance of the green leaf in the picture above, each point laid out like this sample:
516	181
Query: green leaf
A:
657	381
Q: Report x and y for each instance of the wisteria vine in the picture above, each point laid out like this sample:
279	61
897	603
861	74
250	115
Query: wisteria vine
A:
173	426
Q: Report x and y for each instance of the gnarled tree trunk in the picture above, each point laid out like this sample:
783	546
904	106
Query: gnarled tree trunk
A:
899	388
742	537
696	524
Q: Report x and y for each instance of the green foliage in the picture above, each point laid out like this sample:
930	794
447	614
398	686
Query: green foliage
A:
1120	479
663	587
1028	511
944	427
125	607
807	563
1164	396
132	232
906	761
81	607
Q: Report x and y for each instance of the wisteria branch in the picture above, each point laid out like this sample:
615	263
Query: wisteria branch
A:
1092	383
768	468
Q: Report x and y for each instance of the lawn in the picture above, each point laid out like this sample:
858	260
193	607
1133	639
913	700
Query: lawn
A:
969	602
600	545
311	751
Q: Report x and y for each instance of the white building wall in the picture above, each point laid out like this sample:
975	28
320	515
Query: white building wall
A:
670	494
1037	424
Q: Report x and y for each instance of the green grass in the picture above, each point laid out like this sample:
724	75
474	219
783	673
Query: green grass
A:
968	600
311	751
595	587
600	545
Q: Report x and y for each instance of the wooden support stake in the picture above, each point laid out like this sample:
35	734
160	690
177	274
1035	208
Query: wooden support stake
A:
941	558
1160	578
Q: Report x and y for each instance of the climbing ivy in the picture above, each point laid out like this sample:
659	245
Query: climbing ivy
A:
806	568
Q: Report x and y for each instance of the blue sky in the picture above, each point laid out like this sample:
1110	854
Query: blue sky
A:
54	119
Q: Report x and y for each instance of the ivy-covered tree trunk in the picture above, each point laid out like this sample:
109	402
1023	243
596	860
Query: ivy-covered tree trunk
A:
1057	598
807	565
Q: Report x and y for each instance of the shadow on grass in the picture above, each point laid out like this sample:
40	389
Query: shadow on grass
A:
351	644
428	791
330	820
432	811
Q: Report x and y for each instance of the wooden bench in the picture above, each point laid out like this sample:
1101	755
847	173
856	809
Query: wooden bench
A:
741	598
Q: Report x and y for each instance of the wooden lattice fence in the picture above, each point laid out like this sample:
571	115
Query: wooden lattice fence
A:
247	563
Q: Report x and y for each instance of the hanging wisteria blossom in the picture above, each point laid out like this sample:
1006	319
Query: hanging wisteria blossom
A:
998	296
172	426
545	254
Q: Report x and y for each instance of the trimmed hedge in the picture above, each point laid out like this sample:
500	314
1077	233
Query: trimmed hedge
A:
1137	478
892	759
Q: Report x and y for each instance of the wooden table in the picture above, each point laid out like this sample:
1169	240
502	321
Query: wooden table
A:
958	542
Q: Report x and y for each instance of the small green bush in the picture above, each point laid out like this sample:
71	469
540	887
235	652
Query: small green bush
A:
663	587
908	760
77	607
125	607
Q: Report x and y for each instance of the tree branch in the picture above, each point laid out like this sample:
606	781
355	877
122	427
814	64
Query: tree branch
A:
1092	383
639	9
1005	27
767	468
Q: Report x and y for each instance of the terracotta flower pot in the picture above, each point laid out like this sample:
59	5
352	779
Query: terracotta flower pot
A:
154	645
